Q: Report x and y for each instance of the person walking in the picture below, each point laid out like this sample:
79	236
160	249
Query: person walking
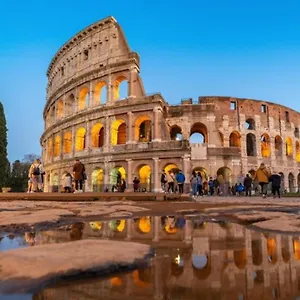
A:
163	181
200	184
194	184
262	176
275	179
78	170
180	178
170	178
248	185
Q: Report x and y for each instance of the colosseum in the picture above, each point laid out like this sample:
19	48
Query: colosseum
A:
97	110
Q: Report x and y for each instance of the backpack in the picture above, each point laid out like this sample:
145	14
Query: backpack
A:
36	170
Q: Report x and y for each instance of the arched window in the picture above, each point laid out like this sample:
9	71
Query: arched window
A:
60	109
235	139
67	142
251	144
80	139
198	134
100	93
265	145
98	136
176	133
83	100
289	146
297	152
118	132
120	89
278	145
250	124
57	146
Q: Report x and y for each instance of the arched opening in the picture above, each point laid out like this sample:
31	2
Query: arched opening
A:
80	139
144	174
143	129
69	105
240	258
120	89
142	278
272	250
100	93
256	247
176	133
117	225
67	143
143	225
83	99
171	167
50	148
250	124
278	145
224	175
265	145
116	174
201	266
56	146
55	183
60	109
198	134
235	139
203	172
296	133
98	136
251	144
118	132
289	146
297	152
296	246
97	180
291	183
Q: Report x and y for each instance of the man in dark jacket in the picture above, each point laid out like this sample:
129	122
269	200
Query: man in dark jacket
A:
180	178
276	183
78	172
248	185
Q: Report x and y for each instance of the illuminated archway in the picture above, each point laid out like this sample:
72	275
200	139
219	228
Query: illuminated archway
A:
250	124
176	133
98	136
80	139
198	133
289	146
296	248
56	146
265	145
83	99
251	144
96	226
145	177
143	129
67	143
203	172
240	258
201	266
117	174
297	152
235	139
100	93
97	180
50	148
117	225
171	167
120	88
144	225
291	182
55	179
224	175
272	250
60	109
118	132
69	104
278	145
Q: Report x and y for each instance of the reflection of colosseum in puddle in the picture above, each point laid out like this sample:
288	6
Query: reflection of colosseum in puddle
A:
89	115
204	260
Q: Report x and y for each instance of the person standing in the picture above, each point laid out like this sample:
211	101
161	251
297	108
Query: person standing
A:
275	179
78	170
163	181
248	185
136	184
180	178
67	182
200	184
262	175
194	184
35	175
170	178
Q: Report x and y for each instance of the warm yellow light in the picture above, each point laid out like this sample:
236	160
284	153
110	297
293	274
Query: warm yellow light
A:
67	144
296	244
57	146
289	146
265	146
235	139
297	152
80	139
96	135
60	109
118	136
145	224
99	93
116	88
96	225
97	177
83	99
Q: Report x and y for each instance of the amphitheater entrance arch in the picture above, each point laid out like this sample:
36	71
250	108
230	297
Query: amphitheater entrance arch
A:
143	225
171	167
145	175
235	139
198	134
257	255
55	183
265	145
143	130
291	182
97	180
57	146
50	148
60	109
272	250
98	136
289	146
224	175
176	133
120	89
203	172
296	246
118	132
67	143
116	175
100	93
251	144
83	99
297	152
80	139
278	145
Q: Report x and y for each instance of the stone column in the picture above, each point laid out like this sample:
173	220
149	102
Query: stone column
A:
157	224
132	83
155	172
186	171
129	175
91	93
106	175
128	229
109	90
87	136
188	232
156	137
52	150
130	137
73	141
64	106
226	140
107	134
61	146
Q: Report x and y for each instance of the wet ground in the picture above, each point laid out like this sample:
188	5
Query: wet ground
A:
196	256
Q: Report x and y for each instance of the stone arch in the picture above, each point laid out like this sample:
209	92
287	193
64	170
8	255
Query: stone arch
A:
297	152
257	255
143	225
83	99
224	175
171	167
278	145
296	248
67	142
250	124
145	176
203	172
116	174
56	146
60	109
97	180
80	139
240	258
120	88
265	145
251	144
118	132
50	148
289	146
69	104
100	93
55	182
97	135
291	182
296	133
143	129
201	266
272	250
176	133
198	133
235	139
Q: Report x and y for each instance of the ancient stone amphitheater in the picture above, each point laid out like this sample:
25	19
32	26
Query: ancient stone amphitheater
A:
97	110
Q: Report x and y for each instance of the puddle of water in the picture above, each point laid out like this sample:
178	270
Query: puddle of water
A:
193	260
9	242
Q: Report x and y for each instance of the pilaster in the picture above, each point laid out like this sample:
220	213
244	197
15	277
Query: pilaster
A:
157	187
157	124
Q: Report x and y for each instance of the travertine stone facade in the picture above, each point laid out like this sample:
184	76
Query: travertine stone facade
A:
89	115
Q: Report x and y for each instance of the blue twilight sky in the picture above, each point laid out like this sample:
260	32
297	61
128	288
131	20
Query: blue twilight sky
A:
188	48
